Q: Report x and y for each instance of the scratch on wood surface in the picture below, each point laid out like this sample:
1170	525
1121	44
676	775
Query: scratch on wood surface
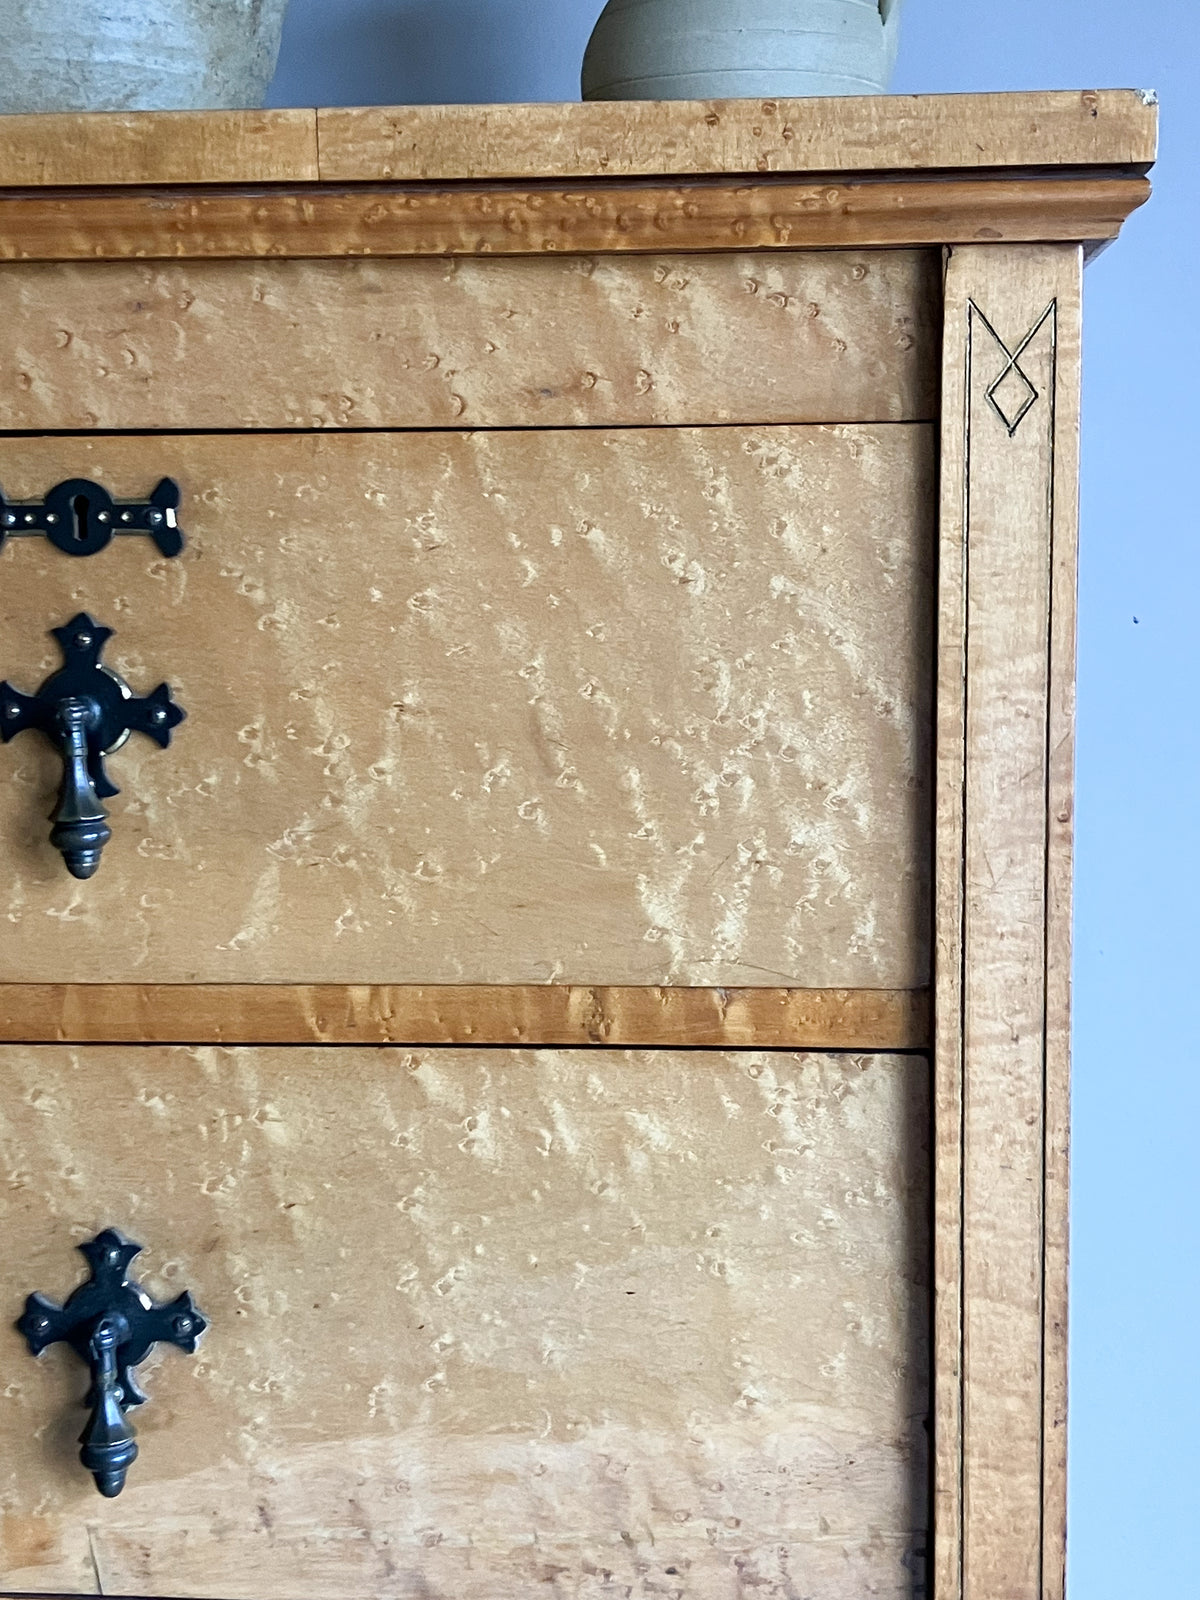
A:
91	1538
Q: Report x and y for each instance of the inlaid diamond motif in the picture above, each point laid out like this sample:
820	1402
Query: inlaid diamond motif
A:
1012	393
1011	396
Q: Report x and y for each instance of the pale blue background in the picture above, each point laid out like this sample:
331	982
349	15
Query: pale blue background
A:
1135	1418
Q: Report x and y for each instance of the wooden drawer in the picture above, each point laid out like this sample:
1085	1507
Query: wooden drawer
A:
472	342
636	706
482	1321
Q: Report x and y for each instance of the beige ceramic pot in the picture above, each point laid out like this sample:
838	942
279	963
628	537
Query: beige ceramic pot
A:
137	55
729	49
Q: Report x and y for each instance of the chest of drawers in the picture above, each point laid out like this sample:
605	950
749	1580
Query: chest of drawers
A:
582	1000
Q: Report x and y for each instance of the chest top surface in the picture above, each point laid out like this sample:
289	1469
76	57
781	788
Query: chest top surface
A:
926	133
534	179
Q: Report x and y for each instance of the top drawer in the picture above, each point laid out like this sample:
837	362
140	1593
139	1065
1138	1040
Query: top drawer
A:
818	336
630	706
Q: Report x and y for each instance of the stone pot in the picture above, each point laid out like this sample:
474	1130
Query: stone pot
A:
732	49
137	55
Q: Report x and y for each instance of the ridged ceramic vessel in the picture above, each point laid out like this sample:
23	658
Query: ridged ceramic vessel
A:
734	49
137	55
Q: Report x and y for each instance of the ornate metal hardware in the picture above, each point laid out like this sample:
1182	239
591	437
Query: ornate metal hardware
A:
80	517
111	1324
87	711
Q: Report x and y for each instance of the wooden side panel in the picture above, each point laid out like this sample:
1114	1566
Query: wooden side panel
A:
948	964
1003	868
482	1322
630	707
870	132
807	337
1060	814
63	149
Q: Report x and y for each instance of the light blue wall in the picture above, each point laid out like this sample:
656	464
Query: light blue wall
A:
400	52
1135	1430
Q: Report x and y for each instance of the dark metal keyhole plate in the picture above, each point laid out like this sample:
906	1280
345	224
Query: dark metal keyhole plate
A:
80	517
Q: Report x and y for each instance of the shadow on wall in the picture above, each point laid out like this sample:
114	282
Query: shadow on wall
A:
429	52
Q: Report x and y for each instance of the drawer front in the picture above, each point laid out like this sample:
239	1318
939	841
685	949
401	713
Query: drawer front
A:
600	707
472	343
481	1321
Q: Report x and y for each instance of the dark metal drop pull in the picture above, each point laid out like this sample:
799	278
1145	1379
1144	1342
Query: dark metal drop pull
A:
87	711
80	517
112	1325
108	1447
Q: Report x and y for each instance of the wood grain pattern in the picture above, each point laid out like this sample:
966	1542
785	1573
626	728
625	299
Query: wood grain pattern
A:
808	1019
948	964
1008	544
597	217
643	706
65	149
863	133
1060	811
481	1321
472	343
1104	127
508	1428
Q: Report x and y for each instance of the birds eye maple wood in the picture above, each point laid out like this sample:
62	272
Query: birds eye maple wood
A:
471	343
583	1000
500	707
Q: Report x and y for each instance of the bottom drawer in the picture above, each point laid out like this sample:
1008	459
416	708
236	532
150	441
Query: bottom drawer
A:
484	1322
